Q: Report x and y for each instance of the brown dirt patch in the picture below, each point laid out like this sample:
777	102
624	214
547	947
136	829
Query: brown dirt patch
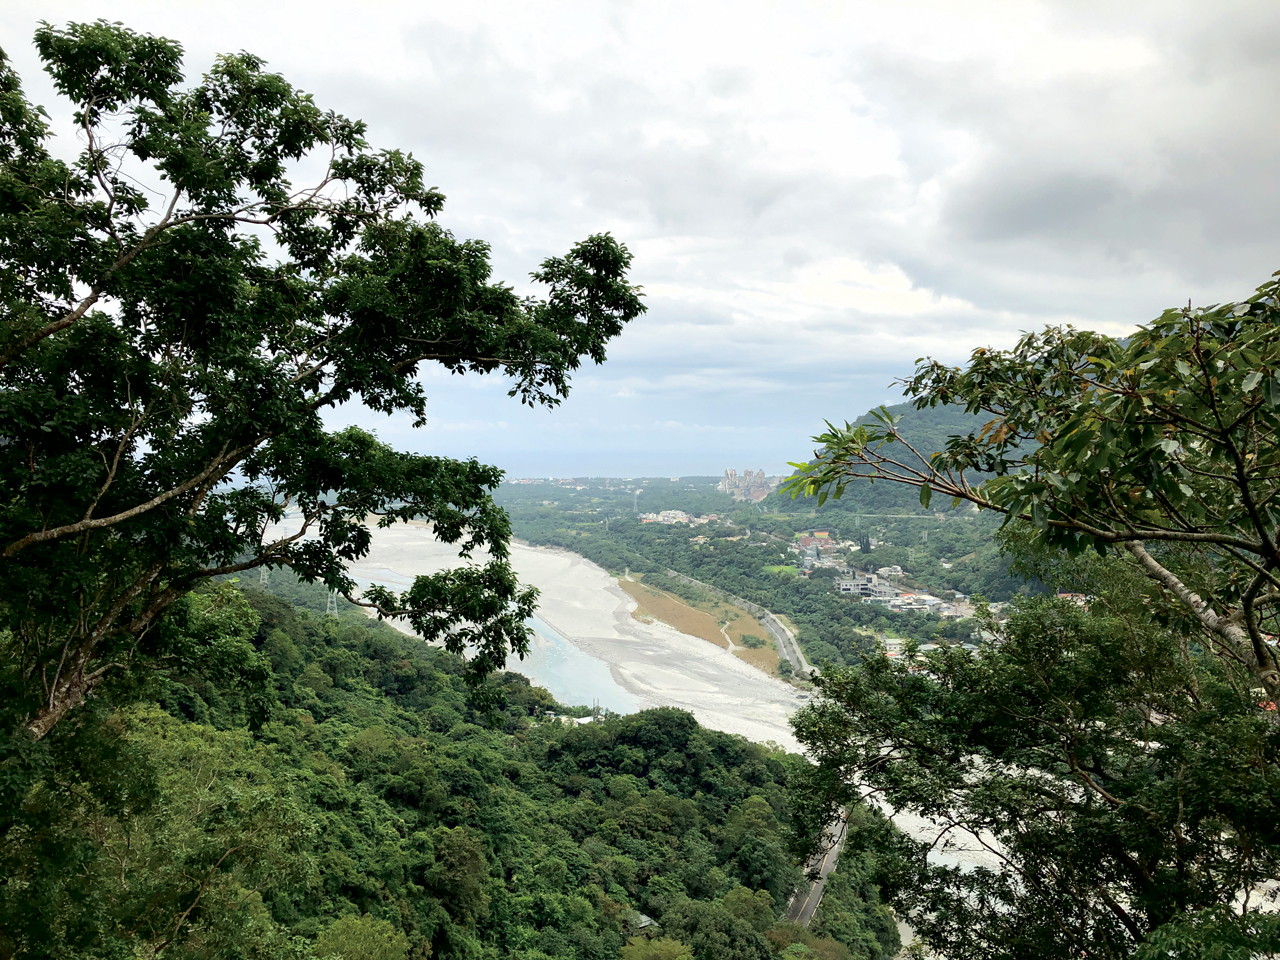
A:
743	625
765	659
659	605
704	621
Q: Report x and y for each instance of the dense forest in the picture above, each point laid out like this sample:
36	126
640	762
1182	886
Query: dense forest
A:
191	767
353	800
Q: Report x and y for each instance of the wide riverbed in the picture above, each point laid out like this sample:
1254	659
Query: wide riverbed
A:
588	647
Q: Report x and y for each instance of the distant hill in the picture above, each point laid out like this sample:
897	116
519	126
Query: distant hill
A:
927	430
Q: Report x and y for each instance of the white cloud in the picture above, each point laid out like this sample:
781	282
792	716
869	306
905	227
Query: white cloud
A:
816	194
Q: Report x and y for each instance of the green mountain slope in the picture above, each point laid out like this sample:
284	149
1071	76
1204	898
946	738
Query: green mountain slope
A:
361	806
926	430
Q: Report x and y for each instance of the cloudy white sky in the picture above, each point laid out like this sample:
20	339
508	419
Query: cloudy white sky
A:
816	194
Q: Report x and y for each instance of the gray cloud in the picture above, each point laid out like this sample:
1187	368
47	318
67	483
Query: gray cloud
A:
816	196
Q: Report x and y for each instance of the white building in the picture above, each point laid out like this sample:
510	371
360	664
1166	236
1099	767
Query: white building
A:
867	585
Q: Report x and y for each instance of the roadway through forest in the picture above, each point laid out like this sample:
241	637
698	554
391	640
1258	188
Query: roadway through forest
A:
802	908
806	901
653	662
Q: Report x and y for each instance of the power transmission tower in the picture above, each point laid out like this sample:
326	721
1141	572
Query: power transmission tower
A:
264	576
331	603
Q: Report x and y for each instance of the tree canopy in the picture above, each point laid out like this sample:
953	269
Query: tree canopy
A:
380	813
1163	444
221	264
1117	749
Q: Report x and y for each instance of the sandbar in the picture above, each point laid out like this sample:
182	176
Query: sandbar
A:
654	662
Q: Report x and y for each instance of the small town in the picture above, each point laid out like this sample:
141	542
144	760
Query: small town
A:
818	550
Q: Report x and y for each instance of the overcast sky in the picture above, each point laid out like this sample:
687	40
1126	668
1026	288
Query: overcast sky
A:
816	195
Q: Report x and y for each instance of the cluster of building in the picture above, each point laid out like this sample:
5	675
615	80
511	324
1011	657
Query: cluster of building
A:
752	486
819	550
882	588
677	516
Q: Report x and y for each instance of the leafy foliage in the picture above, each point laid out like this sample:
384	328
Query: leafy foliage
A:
927	429
378	813
1120	775
362	938
1120	759
165	368
1165	438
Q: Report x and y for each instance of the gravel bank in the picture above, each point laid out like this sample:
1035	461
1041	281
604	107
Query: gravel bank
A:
654	662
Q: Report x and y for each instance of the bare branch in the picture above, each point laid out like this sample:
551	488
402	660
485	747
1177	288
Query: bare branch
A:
1226	628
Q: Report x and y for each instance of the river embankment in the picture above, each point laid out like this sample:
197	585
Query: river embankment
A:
647	664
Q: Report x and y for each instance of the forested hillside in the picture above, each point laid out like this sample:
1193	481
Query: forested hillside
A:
926	430
350	800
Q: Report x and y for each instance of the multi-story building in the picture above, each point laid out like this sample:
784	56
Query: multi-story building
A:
867	585
752	486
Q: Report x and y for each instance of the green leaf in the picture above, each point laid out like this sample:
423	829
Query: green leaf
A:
926	494
201	409
1039	515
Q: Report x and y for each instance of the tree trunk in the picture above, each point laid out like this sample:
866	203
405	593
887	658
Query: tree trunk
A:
69	691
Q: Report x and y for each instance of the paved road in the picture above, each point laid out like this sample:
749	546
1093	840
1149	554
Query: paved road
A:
788	645
796	655
803	907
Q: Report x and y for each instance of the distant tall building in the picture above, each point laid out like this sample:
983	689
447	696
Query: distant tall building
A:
752	486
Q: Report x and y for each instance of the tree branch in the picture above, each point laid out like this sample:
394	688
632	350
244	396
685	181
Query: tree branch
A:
1224	627
67	530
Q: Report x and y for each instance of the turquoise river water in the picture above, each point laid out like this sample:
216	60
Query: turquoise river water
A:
573	677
